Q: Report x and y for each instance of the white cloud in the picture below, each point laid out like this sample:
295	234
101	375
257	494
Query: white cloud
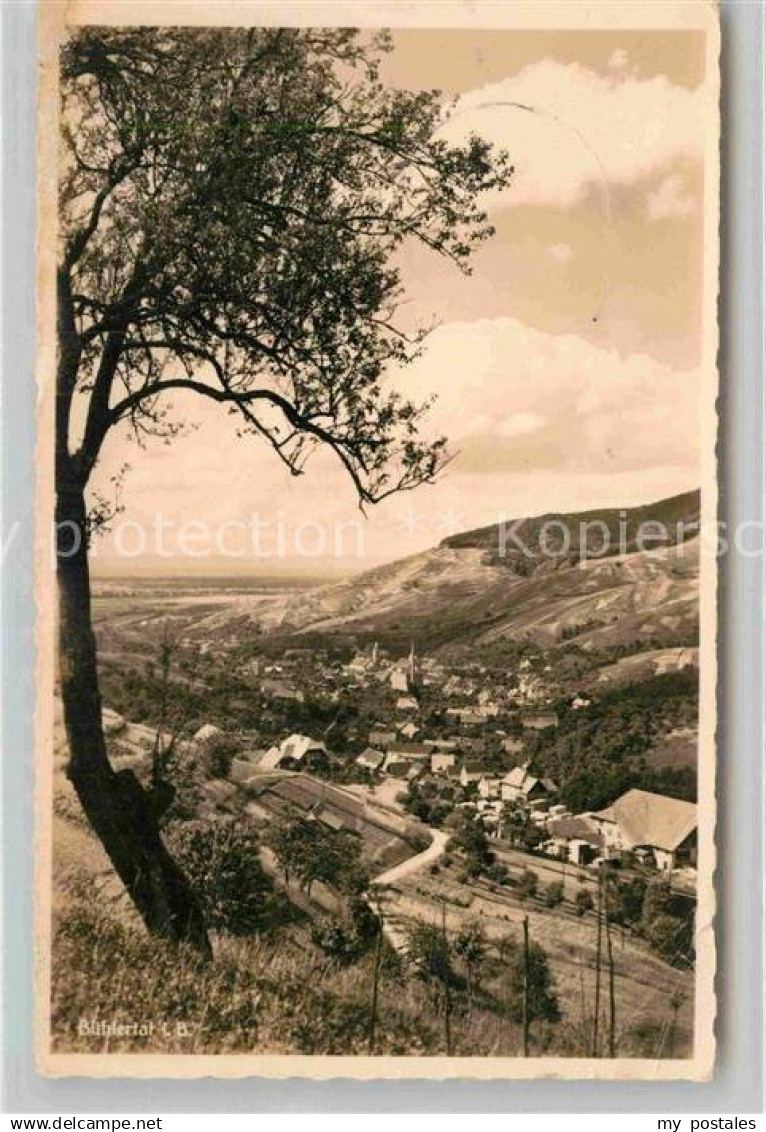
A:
669	200
567	128
539	422
561	253
512	397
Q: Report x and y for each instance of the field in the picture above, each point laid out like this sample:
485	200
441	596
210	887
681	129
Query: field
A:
644	985
387	840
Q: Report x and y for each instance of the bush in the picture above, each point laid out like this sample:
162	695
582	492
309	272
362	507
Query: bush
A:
220	751
527	886
498	873
665	935
543	1000
347	937
583	902
554	894
222	865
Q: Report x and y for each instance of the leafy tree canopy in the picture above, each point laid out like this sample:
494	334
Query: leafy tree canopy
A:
232	205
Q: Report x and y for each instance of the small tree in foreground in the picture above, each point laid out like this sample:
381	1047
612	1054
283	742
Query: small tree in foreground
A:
554	894
231	201
583	901
528	884
542	1000
222	863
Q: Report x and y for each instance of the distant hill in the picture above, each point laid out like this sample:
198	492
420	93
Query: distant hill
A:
588	530
467	589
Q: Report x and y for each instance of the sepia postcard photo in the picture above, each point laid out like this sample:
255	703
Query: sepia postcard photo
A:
376	539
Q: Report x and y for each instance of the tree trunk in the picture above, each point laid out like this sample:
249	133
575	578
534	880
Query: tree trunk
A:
119	809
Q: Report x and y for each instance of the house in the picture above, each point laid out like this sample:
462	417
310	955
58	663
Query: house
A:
513	746
371	759
539	720
218	792
398	680
442	761
580	835
382	739
401	750
300	748
467	716
511	787
446	745
667	827
406	703
471	773
281	690
521	786
489	787
328	817
409	730
207	732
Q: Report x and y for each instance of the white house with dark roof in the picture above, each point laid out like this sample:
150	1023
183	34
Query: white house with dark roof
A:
521	786
642	820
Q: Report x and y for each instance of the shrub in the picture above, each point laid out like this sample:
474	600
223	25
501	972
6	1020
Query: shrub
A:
583	902
543	1001
223	867
345	938
554	894
527	886
220	751
666	935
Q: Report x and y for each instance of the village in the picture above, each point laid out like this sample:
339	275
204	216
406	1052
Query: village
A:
439	742
402	759
481	791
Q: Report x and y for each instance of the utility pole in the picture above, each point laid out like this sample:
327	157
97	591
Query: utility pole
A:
675	1006
525	1000
597	1005
447	995
610	962
375	983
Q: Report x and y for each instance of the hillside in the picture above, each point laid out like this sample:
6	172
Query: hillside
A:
587	528
464	589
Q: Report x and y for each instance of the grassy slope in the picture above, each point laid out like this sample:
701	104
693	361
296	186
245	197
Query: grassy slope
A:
280	994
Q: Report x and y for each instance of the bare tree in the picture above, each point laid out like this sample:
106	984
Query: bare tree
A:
232	202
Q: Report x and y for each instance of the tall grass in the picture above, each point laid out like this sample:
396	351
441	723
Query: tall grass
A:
275	995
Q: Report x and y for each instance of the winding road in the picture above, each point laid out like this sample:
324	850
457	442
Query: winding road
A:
391	930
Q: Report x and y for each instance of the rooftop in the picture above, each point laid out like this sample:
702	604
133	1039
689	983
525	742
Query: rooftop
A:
651	819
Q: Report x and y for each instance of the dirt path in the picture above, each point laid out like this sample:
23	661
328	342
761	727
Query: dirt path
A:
392	929
434	851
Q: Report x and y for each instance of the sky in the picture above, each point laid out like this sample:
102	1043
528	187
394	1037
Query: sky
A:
565	369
